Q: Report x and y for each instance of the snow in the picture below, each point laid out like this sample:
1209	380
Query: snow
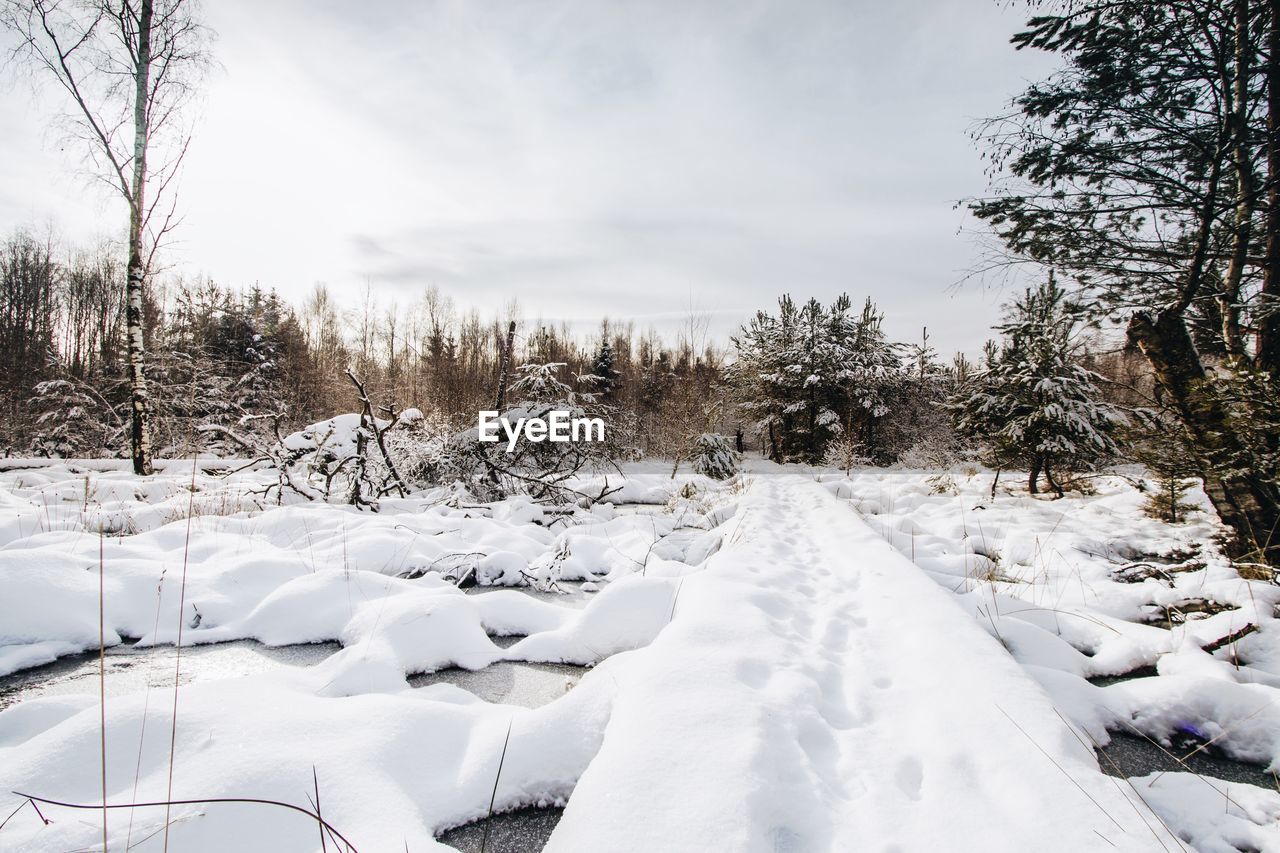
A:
794	703
627	615
394	765
281	575
1090	586
1211	815
790	660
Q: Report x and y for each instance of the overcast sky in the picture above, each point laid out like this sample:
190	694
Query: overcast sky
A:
587	157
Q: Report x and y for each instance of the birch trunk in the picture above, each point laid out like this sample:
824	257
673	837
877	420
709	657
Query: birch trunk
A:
139	399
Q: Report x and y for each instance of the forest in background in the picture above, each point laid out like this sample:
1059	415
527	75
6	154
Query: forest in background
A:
805	382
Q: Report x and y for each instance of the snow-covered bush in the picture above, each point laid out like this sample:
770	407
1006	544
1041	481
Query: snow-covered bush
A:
417	449
846	453
347	456
74	420
714	456
933	454
545	471
351	451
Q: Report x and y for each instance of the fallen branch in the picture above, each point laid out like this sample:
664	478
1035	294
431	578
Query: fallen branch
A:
1233	637
367	417
278	459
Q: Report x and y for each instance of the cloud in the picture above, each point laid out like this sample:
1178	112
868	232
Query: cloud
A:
593	158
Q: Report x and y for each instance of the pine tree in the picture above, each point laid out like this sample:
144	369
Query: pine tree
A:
871	374
1160	444
918	429
1147	167
812	373
714	456
602	367
1033	401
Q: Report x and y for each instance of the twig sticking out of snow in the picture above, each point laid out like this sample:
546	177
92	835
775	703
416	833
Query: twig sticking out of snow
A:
493	797
33	799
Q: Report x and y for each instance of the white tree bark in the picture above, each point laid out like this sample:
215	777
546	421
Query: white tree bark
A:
139	400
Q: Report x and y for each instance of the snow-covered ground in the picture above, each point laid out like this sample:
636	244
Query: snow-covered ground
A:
1090	586
769	670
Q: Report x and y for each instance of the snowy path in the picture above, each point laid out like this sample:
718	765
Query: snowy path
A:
816	691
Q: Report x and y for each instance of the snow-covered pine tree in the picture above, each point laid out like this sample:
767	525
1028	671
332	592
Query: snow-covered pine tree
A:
758	376
714	456
871	372
1034	401
602	367
74	419
815	365
255	353
812	373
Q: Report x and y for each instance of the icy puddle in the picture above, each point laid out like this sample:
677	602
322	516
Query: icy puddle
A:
520	831
131	669
530	685
640	509
1131	755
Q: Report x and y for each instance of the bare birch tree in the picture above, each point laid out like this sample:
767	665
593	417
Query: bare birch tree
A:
127	70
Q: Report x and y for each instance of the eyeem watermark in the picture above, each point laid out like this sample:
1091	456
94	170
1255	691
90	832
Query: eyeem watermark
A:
558	426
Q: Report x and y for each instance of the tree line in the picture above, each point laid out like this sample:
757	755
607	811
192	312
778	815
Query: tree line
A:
812	383
806	382
217	355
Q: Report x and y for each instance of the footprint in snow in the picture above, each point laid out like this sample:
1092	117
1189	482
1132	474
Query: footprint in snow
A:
753	674
910	776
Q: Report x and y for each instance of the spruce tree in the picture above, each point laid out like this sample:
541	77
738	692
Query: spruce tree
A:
602	367
1034	401
813	373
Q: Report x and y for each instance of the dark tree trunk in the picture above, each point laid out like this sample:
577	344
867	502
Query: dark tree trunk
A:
814	456
504	369
1053	484
1242	162
1247	502
1033	478
1269	326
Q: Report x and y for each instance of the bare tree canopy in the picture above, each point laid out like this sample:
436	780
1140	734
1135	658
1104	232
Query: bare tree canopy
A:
128	69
